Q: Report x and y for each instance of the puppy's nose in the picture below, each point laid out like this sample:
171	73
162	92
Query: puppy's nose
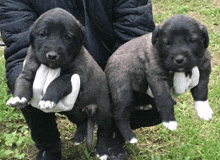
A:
52	55
180	59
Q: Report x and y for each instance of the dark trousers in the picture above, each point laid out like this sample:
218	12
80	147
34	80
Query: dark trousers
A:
46	136
44	130
43	127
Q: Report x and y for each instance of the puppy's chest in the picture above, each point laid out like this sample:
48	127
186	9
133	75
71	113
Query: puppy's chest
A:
180	82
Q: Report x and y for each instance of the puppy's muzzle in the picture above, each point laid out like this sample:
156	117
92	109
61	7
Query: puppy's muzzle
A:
179	60
52	55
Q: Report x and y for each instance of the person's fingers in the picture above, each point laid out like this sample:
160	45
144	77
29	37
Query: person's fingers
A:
179	82
67	103
43	77
38	85
52	74
195	77
40	79
69	100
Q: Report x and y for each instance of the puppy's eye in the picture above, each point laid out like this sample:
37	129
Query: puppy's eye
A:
166	42
192	39
68	37
43	34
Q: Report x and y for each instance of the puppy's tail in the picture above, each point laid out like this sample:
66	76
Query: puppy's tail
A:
91	110
89	136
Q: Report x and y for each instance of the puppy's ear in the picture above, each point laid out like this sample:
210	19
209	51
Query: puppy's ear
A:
31	37
82	33
205	36
155	35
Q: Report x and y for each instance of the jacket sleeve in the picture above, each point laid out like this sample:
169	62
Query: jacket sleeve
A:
131	18
16	17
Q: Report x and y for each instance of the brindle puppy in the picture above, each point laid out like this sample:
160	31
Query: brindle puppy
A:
177	45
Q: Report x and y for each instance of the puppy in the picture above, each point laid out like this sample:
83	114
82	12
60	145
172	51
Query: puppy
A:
57	41
156	64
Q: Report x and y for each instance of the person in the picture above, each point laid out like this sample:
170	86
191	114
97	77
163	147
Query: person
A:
108	24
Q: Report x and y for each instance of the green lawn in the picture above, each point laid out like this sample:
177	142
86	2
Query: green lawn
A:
194	139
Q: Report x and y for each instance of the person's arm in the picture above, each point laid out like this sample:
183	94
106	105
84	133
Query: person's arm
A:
132	19
16	17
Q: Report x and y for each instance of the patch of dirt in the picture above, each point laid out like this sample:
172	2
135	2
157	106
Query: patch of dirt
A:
216	59
216	3
30	152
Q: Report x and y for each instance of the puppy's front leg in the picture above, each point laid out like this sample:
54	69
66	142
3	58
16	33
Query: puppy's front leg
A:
200	96
57	89
163	99
23	85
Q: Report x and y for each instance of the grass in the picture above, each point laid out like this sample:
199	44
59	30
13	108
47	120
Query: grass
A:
14	135
194	139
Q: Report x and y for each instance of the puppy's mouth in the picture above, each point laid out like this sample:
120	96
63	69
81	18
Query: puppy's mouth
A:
179	63
51	59
180	69
52	65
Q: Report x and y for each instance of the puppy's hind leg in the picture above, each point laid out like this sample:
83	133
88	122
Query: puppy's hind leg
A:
80	118
123	123
123	101
80	134
103	118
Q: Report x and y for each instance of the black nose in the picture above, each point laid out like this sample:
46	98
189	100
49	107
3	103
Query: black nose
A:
180	59
52	55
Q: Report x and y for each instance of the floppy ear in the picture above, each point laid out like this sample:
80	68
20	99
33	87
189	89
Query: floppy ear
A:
155	35
82	33
31	38
205	36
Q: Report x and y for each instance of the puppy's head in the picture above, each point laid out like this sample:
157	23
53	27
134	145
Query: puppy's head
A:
180	41
56	38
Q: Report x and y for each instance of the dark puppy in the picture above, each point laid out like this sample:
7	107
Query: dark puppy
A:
57	42
150	63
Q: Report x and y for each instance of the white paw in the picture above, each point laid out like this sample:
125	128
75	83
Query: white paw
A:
76	143
104	157
203	110
171	125
133	140
146	107
46	104
16	101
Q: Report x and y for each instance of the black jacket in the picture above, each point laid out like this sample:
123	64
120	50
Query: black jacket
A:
108	24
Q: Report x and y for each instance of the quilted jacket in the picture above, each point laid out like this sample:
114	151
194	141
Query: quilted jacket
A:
108	24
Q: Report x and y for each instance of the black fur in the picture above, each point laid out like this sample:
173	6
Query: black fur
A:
177	44
57	41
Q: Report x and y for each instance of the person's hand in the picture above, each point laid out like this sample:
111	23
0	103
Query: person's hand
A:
183	83
44	76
